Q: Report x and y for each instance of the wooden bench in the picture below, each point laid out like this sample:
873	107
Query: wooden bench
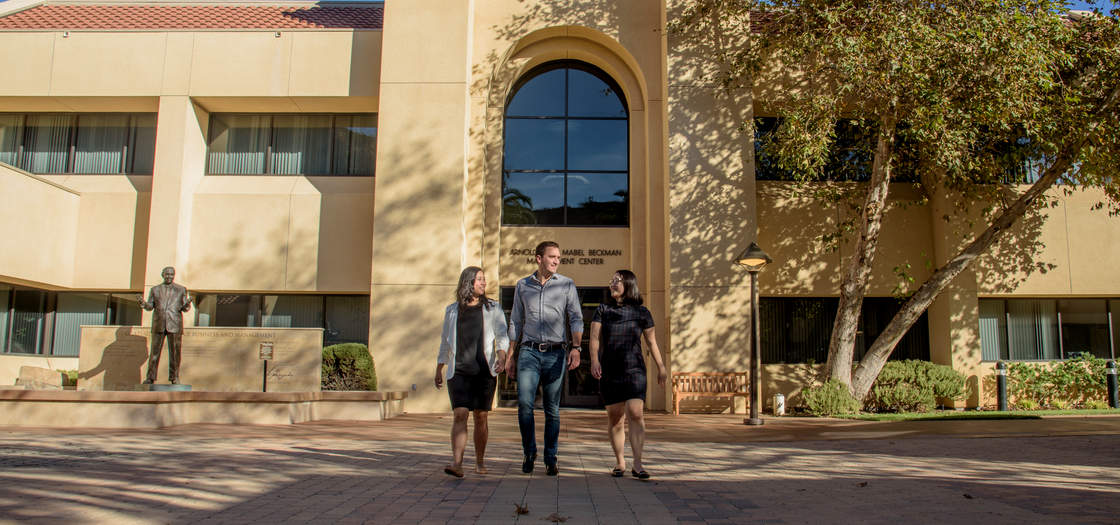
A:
709	384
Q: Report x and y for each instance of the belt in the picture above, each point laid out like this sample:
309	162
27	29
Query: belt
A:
543	347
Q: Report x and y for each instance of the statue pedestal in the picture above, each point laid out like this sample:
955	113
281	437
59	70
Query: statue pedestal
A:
166	387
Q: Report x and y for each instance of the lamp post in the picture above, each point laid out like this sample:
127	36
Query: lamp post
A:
753	259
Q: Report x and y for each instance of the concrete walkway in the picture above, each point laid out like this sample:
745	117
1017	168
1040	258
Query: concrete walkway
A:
706	469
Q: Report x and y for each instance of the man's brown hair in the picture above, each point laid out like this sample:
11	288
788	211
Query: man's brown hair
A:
546	245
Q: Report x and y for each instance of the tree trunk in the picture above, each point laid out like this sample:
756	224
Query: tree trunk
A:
842	343
872	363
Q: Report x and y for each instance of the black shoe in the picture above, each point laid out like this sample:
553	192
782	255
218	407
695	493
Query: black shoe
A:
148	381
527	466
552	469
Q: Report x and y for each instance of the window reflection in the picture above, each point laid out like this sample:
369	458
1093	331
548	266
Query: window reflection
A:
566	157
534	198
596	198
589	96
541	96
597	145
1084	327
534	144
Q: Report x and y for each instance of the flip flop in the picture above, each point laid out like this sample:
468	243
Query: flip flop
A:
616	472
480	469
453	471
640	474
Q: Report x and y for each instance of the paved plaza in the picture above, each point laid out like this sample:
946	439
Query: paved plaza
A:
706	469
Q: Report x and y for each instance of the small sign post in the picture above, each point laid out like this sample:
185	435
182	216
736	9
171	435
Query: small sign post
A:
266	356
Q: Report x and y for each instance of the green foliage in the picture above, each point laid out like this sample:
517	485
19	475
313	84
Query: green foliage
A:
1027	404
348	366
902	397
961	97
69	377
1095	404
1066	383
915	386
829	399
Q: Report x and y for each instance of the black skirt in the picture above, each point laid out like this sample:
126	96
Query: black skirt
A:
475	392
623	387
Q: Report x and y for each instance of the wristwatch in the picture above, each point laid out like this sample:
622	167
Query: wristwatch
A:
570	348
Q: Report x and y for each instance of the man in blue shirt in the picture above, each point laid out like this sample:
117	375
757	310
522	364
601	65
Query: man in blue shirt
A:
537	329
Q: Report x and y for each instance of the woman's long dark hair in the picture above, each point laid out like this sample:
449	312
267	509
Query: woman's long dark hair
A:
465	291
630	293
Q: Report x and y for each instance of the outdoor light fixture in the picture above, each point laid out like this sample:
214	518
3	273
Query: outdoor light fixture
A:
753	259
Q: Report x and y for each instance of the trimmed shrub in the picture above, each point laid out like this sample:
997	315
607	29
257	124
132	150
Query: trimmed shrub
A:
69	377
348	366
902	397
829	399
915	386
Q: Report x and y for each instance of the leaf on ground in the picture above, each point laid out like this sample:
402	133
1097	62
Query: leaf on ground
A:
555	518
520	510
968	496
861	484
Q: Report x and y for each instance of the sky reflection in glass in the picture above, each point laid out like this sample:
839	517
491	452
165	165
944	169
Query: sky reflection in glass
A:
566	145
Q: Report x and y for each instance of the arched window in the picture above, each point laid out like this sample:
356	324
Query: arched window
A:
566	159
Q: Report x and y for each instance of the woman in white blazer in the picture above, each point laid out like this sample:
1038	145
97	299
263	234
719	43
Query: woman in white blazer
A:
472	351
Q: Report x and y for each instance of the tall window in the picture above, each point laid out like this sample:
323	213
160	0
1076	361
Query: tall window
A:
797	330
91	143
48	323
566	157
1045	329
292	144
343	318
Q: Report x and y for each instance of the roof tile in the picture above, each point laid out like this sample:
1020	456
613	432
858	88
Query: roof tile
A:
156	17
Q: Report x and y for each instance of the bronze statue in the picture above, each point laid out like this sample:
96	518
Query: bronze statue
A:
169	300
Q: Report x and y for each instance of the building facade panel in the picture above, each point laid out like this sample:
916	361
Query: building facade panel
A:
108	64
27	72
40	245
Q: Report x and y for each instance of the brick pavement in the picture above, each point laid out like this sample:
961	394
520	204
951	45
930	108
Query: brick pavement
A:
707	469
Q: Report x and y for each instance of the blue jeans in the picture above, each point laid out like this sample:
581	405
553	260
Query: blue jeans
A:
547	370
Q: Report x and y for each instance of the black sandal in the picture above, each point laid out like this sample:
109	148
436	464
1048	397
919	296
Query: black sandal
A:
640	474
616	472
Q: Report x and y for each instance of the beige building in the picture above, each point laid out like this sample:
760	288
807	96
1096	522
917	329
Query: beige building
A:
335	165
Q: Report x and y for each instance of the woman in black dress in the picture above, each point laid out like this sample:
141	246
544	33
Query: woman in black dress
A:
617	330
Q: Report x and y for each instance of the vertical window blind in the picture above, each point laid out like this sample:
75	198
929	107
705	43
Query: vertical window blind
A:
1047	329
85	143
292	144
49	323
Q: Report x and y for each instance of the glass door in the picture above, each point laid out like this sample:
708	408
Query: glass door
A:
580	389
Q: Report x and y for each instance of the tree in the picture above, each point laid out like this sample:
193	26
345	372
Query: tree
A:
951	90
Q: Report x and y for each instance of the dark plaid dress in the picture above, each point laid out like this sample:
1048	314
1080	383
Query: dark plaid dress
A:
620	343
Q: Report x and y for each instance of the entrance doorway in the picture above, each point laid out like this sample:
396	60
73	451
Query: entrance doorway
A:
580	389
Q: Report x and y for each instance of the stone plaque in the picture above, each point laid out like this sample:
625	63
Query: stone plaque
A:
214	359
